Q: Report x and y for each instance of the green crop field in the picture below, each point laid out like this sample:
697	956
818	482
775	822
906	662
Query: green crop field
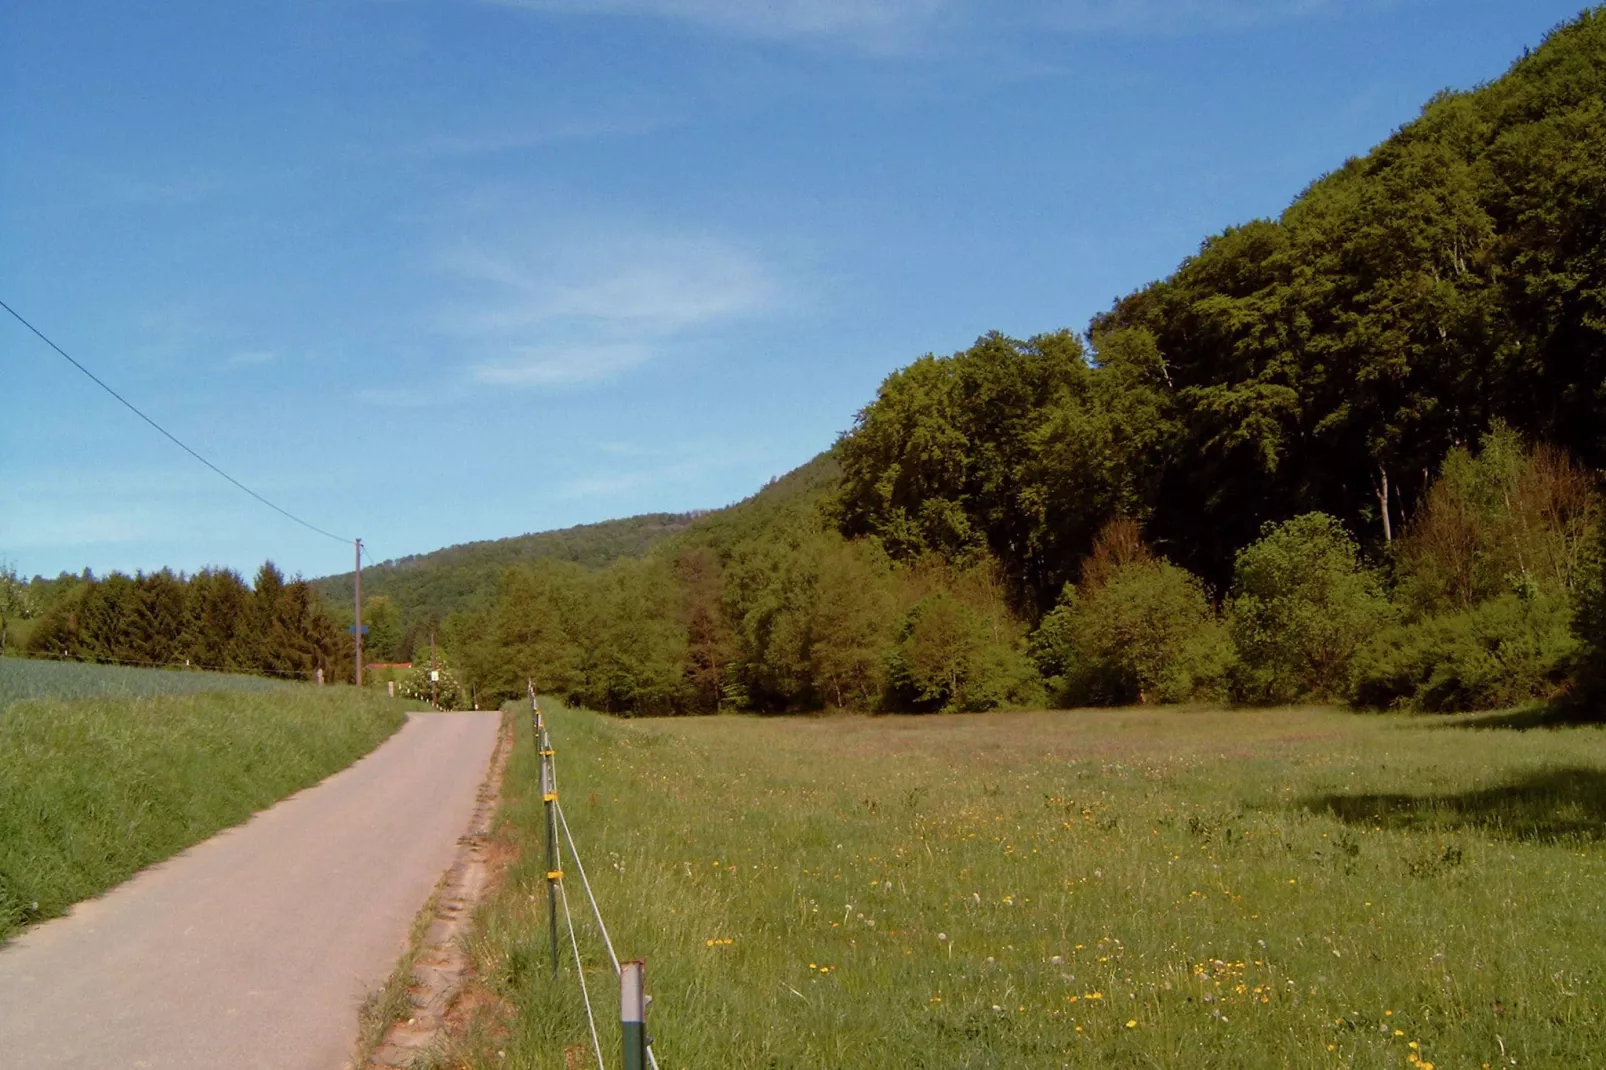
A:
25	678
121	768
1160	888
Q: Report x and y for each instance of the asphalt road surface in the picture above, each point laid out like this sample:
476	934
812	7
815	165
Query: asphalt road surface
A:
255	948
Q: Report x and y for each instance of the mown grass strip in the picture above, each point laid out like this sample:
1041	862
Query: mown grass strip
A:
94	789
1126	888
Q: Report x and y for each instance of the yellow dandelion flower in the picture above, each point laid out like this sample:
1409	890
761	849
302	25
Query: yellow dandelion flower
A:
1131	1023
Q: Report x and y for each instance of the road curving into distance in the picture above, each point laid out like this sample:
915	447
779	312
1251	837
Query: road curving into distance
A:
256	947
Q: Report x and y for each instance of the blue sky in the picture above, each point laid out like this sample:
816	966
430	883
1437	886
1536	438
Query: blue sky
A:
429	271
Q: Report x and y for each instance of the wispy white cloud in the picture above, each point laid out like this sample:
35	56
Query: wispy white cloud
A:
169	192
96	527
251	358
124	507
903	25
609	280
682	466
616	448
590	303
401	397
603	486
871	24
1170	16
517	138
561	365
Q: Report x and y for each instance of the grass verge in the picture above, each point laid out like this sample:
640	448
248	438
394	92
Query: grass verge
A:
94	789
1303	888
392	1001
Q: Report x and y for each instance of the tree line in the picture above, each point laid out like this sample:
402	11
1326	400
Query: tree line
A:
1480	602
209	620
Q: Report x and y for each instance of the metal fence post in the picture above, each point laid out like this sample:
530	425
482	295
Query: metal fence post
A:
633	1013
549	798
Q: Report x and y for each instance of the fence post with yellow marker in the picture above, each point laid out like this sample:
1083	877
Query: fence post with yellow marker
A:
549	798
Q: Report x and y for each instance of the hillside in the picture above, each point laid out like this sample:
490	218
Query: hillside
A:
466	576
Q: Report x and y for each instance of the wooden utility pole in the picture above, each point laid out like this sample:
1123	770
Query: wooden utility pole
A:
356	631
434	672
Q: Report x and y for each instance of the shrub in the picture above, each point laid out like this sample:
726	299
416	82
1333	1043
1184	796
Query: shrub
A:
447	690
1506	514
952	656
1301	606
1142	631
1589	625
1501	652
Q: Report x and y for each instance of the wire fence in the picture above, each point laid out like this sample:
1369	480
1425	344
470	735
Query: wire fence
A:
635	1045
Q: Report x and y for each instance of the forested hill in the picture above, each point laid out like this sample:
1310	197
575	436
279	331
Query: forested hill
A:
1328	359
431	585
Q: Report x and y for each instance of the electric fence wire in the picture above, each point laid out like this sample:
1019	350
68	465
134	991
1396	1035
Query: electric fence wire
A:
164	431
580	971
596	911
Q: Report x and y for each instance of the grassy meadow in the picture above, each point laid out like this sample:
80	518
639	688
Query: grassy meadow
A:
115	773
1165	888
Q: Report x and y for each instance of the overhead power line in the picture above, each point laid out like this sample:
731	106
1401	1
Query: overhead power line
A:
165	432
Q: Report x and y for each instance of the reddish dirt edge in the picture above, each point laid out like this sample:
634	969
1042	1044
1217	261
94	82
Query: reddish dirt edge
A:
442	965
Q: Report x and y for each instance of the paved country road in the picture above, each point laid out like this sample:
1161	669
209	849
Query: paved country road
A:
255	948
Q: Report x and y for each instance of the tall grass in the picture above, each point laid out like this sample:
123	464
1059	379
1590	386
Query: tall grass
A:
1300	887
94	789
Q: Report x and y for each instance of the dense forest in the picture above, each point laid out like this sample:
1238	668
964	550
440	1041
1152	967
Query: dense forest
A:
1349	453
